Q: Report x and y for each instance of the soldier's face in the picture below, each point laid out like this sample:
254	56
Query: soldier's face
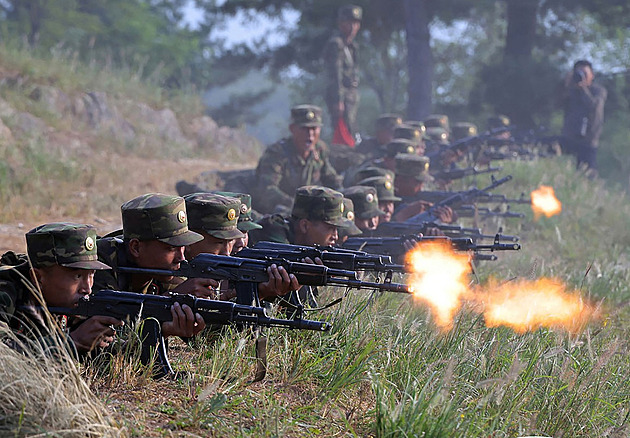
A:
320	233
63	287
210	245
349	28
367	224
388	208
305	137
241	243
407	185
155	254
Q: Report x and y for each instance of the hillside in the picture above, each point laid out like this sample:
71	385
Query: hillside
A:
76	142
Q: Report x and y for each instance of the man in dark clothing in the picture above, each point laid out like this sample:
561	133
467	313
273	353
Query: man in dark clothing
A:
583	114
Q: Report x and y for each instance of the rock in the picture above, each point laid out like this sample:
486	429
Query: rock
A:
53	99
94	109
203	130
163	122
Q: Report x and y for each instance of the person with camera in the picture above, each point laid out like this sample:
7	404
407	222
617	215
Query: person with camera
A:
583	115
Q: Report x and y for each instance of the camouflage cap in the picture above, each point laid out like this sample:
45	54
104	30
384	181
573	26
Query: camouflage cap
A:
408	132
437	134
384	188
64	244
463	130
348	213
371	171
437	120
498	121
217	215
350	12
365	201
245	220
306	115
400	146
417	124
388	121
319	203
155	216
414	166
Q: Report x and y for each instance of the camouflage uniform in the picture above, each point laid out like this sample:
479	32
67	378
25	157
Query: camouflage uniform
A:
247	214
342	72
214	214
281	171
63	244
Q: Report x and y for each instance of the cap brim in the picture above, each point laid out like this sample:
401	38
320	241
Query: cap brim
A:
226	234
310	124
246	226
341	222
390	198
93	264
425	178
352	229
185	239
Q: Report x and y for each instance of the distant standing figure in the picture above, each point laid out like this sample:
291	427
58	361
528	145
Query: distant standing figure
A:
583	114
342	74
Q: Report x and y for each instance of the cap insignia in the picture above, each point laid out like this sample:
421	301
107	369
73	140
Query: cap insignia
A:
310	115
243	209
89	243
342	207
231	214
410	150
426	167
350	215
388	185
398	121
181	216
369	198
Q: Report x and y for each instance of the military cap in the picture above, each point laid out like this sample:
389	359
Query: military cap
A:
245	220
319	203
400	146
463	130
437	120
365	201
498	121
217	215
384	188
64	244
350	12
414	166
306	115
388	121
408	132
348	213
371	171
438	134
417	124
155	216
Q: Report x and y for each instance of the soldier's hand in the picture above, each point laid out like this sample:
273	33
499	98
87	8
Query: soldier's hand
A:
433	231
96	331
445	214
280	283
410	210
316	261
199	287
184	323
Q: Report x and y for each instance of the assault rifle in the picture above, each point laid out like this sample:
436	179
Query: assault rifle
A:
132	306
484	212
245	274
462	173
333	257
456	199
397	248
466	143
481	198
392	229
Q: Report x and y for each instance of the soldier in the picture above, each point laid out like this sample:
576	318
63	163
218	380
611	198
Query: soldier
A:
294	162
463	129
412	172
374	147
413	134
215	217
351	230
245	219
366	211
385	192
342	74
316	215
64	259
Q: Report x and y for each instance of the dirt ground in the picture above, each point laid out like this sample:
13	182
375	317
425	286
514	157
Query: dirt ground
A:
134	176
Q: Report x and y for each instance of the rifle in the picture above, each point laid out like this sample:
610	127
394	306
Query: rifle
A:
457	198
462	173
333	257
484	212
245	274
482	198
132	306
389	229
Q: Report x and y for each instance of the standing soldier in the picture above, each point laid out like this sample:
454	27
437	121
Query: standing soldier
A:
340	56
